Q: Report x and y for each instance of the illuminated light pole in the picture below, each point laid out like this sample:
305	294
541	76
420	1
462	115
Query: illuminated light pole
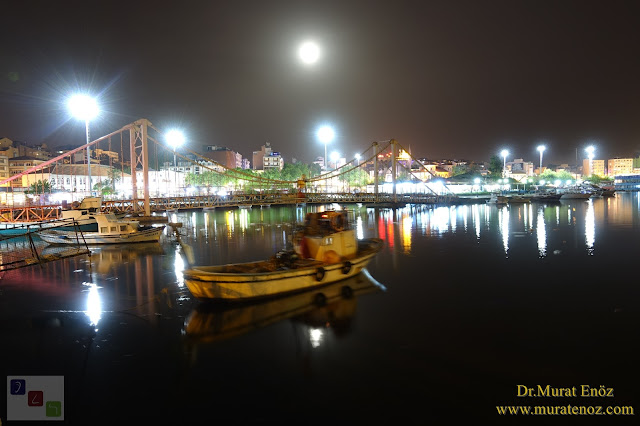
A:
175	138
541	148
504	154
358	159
84	107
325	134
590	154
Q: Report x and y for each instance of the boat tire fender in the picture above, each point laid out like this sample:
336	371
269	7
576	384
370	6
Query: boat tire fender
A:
347	292
320	274
346	268
320	299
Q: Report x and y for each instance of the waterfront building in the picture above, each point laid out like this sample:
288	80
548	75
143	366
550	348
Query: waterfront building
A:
267	158
224	156
620	166
597	168
630	182
21	164
273	161
4	169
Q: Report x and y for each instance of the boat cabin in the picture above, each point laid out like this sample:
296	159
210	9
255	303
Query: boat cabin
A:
326	236
109	224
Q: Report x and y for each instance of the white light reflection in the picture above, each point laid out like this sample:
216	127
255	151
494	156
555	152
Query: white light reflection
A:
541	233
557	215
316	336
590	226
503	220
244	219
94	305
359	230
178	264
476	219
465	214
452	218
440	220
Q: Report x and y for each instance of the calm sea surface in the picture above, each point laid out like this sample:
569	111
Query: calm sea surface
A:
463	304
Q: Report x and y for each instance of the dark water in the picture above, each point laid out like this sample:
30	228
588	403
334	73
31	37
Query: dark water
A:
462	305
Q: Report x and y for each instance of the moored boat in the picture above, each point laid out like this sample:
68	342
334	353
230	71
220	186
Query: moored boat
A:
494	198
575	195
83	214
111	230
326	250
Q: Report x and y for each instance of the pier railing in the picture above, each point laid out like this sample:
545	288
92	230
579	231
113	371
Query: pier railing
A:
45	212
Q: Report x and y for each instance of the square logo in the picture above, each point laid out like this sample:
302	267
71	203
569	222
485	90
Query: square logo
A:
35	398
17	387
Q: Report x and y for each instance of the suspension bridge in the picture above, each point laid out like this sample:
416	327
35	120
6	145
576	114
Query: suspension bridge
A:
131	172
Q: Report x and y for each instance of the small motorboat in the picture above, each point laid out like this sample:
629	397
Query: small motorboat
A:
111	230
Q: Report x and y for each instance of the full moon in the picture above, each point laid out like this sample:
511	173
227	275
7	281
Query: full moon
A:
309	52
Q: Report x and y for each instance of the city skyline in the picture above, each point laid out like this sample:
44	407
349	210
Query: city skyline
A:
457	80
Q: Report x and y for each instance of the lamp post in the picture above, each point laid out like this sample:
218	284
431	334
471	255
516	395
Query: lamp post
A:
541	148
358	159
84	107
325	134
504	154
175	138
590	150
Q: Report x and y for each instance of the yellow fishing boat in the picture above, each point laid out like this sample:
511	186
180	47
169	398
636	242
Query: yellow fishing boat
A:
326	250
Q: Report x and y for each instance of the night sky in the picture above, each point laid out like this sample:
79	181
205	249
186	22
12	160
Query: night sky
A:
447	79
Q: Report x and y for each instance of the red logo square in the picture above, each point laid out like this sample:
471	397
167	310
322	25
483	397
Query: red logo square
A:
35	398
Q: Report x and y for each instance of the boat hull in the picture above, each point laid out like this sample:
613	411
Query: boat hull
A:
72	237
210	283
575	196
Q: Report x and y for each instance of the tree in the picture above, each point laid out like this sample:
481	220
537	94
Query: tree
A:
106	187
39	187
495	165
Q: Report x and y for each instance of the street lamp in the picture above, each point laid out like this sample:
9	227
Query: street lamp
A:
84	107
175	138
504	154
590	150
541	148
325	134
358	159
335	156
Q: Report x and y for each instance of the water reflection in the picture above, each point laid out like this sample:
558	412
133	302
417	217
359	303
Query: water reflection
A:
335	310
541	233
94	305
590	227
503	220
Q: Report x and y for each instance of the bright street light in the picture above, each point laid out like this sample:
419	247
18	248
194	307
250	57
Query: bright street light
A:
590	154
84	107
335	156
541	148
175	138
325	134
358	159
309	52
504	154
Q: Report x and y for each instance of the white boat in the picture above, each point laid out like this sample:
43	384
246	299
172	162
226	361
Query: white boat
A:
111	230
326	250
83	213
80	214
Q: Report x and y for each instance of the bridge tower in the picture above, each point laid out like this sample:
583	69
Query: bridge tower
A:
138	133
